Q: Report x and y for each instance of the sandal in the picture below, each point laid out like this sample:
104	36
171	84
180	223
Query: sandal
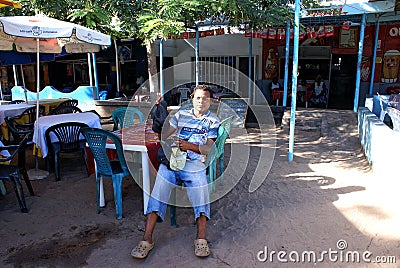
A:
201	248
142	250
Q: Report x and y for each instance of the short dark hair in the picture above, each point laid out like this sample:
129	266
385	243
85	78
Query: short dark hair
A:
205	88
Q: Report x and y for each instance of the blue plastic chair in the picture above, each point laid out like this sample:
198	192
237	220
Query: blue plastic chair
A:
114	169
220	145
125	117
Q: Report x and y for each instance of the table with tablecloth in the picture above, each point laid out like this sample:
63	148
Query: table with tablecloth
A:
48	104
44	122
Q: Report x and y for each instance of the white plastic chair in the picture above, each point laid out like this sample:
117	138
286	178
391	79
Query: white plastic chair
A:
184	94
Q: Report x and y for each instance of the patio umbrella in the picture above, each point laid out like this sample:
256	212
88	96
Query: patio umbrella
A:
5	3
48	35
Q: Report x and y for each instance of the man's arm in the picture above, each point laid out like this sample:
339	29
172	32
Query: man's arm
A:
200	149
165	134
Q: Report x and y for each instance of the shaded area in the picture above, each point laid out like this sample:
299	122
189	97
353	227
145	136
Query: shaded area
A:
62	251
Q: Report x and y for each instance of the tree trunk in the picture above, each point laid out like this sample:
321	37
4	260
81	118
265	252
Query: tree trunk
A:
152	71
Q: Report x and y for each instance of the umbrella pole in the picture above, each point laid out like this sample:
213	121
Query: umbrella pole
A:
22	75
1	92
23	83
117	66
15	75
36	173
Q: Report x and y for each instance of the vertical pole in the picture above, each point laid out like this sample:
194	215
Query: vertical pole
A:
22	75
15	75
73	71
360	50
197	56
37	77
162	67
96	77
250	70
371	85
90	69
294	78
287	55
116	65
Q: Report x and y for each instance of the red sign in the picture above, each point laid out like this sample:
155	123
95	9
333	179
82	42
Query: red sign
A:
271	33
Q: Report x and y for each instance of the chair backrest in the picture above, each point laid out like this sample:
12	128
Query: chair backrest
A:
97	140
226	123
19	130
218	147
185	94
16	101
16	149
28	116
65	110
71	102
125	116
68	135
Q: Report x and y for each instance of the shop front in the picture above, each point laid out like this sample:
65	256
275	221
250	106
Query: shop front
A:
333	55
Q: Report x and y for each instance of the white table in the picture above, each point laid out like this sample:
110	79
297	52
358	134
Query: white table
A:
44	122
130	144
12	110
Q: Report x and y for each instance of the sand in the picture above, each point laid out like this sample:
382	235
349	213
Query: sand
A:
326	199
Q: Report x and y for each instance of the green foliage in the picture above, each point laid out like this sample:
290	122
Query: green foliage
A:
157	19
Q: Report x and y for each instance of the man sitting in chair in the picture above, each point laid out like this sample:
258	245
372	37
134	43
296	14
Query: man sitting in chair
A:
196	130
319	96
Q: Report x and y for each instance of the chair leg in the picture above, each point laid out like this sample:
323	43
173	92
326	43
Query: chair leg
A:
99	193
172	209
27	181
3	190
57	165
85	159
221	168
214	174
117	185
22	171
19	193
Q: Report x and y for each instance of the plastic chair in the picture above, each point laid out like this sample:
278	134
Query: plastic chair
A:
216	153
115	169
184	94
125	117
11	173
104	120
16	102
277	95
18	130
69	140
71	102
28	116
65	110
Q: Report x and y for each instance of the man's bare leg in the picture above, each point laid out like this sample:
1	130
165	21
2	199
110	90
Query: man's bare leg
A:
201	227
151	220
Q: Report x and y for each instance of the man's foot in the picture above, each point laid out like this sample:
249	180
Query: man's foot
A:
201	248
142	250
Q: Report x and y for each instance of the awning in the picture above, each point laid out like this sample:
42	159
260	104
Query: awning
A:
5	3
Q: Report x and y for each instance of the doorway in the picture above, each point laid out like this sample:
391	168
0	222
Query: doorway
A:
343	81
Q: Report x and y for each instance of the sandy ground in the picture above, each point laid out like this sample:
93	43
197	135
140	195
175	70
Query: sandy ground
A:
327	201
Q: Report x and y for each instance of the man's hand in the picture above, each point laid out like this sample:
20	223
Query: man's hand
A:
203	149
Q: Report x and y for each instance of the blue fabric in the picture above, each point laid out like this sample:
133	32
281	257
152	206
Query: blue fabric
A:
15	57
193	177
